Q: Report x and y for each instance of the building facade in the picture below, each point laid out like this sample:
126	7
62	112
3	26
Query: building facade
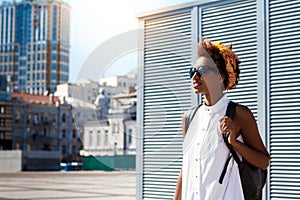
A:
6	128
42	127
6	115
34	44
84	89
265	36
115	135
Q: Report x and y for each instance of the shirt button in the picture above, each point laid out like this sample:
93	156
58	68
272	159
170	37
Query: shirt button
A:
198	143
196	159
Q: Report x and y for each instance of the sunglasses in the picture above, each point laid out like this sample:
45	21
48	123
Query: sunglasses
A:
201	71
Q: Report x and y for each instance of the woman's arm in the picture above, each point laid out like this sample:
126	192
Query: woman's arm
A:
177	195
253	150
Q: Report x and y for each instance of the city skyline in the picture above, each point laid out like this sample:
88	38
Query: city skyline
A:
35	45
117	20
91	16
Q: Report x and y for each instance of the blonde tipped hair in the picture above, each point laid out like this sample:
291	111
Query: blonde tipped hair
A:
225	59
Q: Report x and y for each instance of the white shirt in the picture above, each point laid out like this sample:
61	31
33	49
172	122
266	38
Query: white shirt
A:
204	157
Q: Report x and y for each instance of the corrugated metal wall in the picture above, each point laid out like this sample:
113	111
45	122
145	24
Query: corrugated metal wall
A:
166	93
284	39
167	58
236	22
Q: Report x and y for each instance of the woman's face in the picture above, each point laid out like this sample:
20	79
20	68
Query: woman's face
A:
210	81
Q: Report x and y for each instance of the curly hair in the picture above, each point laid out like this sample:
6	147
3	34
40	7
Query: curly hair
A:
225	59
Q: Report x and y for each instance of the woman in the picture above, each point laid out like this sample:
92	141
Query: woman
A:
204	150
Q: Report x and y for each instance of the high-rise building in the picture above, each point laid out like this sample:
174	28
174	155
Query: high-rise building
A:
34	44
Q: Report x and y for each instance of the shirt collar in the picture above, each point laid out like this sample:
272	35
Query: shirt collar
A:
217	106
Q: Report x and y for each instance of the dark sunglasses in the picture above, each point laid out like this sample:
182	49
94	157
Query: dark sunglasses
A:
201	71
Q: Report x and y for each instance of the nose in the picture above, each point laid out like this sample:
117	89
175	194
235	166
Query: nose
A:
196	76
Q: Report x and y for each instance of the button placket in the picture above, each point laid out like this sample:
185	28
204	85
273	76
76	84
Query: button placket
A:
197	167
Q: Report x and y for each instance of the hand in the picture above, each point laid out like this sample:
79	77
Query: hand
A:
227	124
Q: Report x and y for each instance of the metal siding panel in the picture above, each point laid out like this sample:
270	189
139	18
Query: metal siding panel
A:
167	58
236	23
284	16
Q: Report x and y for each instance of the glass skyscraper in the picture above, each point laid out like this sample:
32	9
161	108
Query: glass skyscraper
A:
34	44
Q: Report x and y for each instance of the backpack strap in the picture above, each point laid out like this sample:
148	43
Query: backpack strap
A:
190	114
230	111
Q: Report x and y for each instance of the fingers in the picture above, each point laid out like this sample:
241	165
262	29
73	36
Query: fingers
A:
226	124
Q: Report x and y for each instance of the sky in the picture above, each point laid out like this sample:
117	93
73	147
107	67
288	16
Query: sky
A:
103	34
97	23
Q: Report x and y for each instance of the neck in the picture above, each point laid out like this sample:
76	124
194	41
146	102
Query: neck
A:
213	99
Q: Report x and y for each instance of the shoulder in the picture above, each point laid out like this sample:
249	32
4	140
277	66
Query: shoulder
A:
185	121
243	111
187	118
244	117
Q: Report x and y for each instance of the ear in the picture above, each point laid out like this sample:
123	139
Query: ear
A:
221	81
221	78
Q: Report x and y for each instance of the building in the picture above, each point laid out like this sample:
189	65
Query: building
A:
122	120
265	34
119	82
71	143
97	140
34	44
35	131
6	128
117	104
115	135
84	89
6	115
7	38
110	141
82	113
81	96
42	127
111	86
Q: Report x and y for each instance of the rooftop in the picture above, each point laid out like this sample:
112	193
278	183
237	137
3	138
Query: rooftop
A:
35	99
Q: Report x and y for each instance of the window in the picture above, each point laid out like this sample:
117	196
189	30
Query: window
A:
36	118
98	138
73	149
2	109
115	128
2	122
28	118
53	118
18	116
90	138
45	131
64	118
74	134
63	133
129	137
2	135
64	149
106	139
